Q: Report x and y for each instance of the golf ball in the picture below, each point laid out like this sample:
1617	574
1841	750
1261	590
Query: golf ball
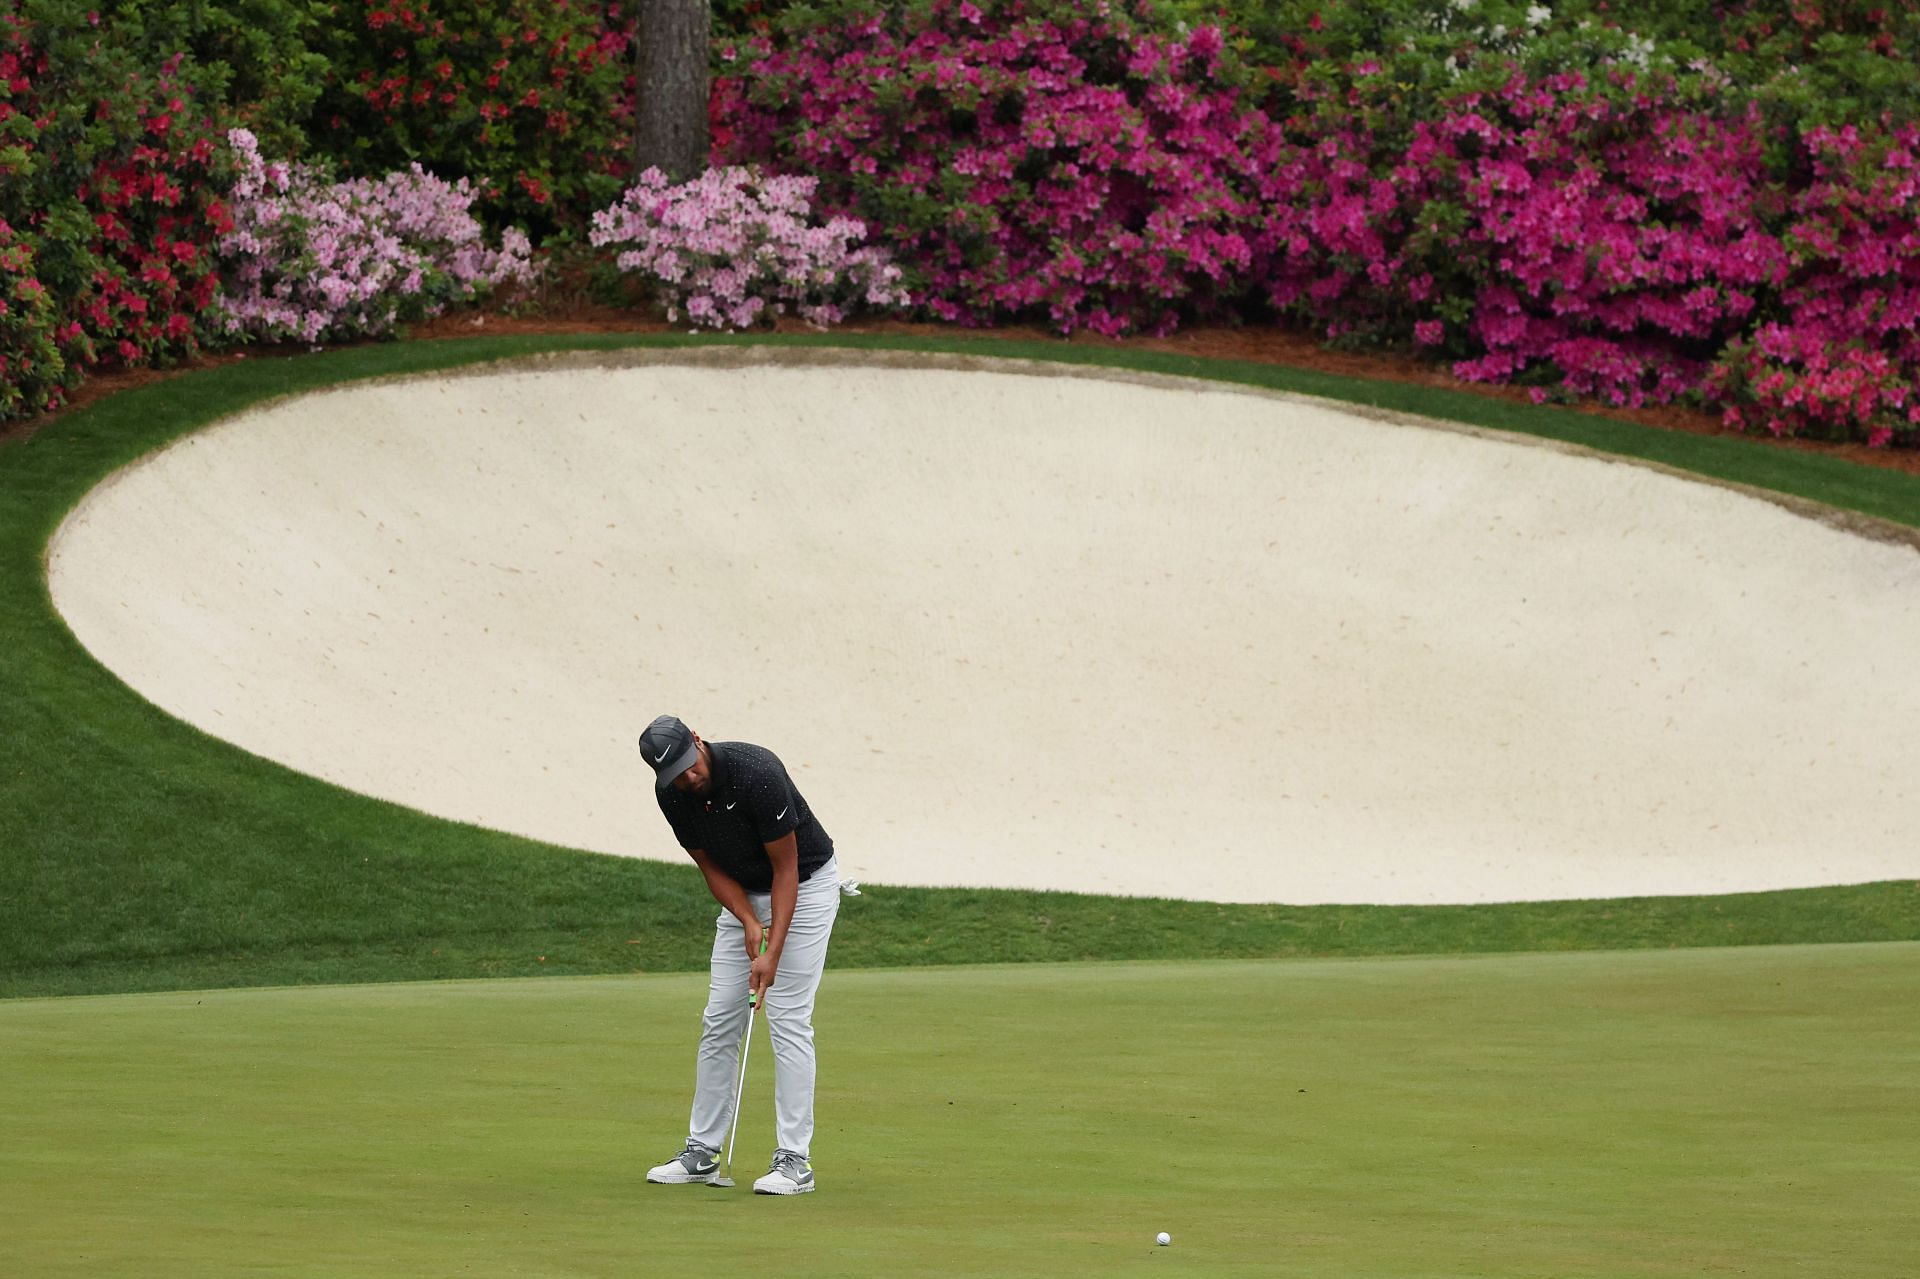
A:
1163	1238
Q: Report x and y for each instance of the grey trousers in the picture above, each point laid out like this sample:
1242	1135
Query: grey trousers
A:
787	1010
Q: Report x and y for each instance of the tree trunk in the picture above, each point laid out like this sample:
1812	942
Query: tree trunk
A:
670	78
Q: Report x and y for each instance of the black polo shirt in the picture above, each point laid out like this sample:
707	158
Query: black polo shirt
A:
752	803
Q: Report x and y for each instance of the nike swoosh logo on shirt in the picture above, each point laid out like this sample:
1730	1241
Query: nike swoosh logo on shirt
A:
782	813
730	806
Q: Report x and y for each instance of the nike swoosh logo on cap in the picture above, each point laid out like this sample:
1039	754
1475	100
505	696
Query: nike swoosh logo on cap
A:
664	754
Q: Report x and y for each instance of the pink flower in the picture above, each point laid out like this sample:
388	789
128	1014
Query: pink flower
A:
308	258
734	245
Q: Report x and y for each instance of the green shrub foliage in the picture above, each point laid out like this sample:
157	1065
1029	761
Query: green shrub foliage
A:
529	99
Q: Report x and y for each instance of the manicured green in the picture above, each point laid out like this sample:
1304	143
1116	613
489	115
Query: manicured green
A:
138	854
1630	1115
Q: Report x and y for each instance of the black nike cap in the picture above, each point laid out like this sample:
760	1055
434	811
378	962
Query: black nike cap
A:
669	748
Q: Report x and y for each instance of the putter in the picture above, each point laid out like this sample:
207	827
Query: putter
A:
725	1180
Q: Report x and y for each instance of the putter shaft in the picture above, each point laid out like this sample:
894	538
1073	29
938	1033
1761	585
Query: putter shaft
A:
740	1086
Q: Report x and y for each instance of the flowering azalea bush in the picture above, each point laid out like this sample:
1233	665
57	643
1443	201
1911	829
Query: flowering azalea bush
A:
1552	195
156	207
1558	201
734	247
532	100
253	60
1841	356
1627	238
1024	158
1788	381
1611	246
110	191
32	372
308	258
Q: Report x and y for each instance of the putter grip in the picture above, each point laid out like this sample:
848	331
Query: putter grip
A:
753	1001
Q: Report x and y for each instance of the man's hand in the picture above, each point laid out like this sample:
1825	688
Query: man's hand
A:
760	975
784	854
756	934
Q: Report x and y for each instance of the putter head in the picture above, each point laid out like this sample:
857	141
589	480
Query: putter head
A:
721	1183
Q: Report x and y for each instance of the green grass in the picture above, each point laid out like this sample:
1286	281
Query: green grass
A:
1629	1115
139	854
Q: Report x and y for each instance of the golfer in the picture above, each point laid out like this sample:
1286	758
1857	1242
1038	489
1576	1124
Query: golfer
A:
770	865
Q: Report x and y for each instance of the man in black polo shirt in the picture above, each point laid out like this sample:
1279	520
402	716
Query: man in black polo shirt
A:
770	865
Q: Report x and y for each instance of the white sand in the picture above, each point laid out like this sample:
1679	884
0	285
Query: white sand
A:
1034	630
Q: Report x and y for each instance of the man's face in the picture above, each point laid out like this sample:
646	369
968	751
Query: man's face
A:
698	779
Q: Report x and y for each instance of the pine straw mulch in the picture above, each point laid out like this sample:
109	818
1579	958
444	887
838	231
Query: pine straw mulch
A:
1264	345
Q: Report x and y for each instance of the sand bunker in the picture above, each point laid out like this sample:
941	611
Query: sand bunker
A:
1014	627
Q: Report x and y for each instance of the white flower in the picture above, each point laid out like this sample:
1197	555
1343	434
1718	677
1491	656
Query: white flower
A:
1538	14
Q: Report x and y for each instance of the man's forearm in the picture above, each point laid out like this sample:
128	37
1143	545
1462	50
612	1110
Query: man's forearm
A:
727	891
786	899
784	856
